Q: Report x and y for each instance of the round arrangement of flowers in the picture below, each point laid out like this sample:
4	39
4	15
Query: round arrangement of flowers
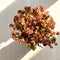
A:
34	26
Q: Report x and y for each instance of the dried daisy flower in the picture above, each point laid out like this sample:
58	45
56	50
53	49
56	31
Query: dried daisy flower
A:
34	26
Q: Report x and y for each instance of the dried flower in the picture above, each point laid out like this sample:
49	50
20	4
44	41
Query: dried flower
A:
33	26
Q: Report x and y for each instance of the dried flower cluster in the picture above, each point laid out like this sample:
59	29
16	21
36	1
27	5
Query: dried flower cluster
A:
33	26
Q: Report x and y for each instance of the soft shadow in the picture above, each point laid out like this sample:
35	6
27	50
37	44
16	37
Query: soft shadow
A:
46	3
48	53
13	51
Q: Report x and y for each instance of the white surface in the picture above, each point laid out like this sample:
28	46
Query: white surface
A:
32	53
4	44
5	3
55	13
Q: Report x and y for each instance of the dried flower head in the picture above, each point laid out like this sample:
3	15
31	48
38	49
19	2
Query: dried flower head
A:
34	26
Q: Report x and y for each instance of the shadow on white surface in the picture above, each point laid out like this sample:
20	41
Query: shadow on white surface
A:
49	54
11	50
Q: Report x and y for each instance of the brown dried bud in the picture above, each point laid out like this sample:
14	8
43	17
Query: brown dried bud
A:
57	33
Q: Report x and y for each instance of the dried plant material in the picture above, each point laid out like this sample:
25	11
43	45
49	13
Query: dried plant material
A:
34	26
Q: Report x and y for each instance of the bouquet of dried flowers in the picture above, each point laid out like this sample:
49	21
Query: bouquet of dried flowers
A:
34	26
